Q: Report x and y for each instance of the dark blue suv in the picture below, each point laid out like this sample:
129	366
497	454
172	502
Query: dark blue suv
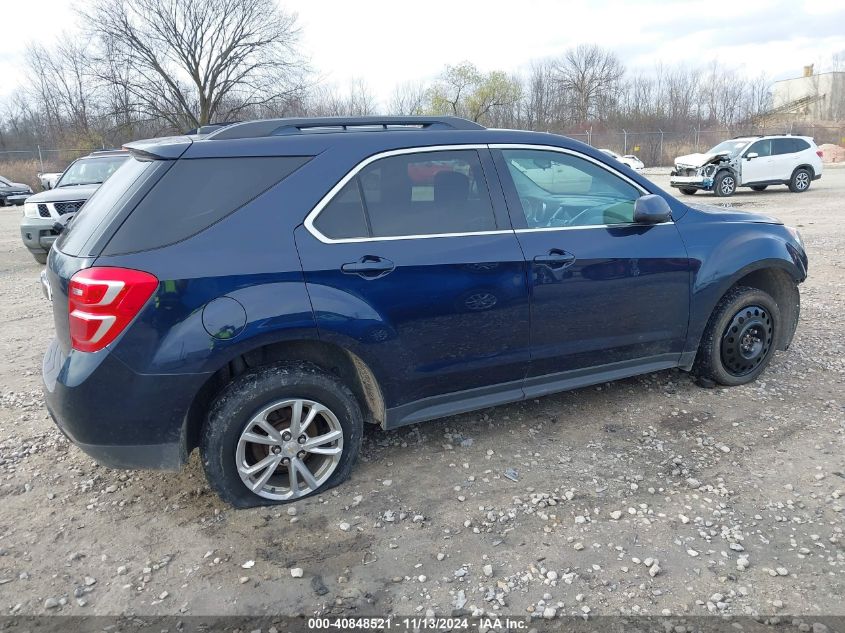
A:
263	292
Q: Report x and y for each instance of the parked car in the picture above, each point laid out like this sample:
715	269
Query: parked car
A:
49	179
47	209
750	161
375	295
13	192
628	159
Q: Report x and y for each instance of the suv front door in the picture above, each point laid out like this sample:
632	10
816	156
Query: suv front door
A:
760	168
411	263
607	295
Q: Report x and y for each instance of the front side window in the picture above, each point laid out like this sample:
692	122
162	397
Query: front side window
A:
761	148
561	190
425	193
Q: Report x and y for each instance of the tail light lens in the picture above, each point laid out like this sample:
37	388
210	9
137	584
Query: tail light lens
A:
819	153
102	302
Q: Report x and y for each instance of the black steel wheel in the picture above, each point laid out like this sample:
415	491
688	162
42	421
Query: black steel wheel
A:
740	337
747	340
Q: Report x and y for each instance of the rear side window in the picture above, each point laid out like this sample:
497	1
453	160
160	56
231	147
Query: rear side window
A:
103	206
196	193
789	145
424	193
344	216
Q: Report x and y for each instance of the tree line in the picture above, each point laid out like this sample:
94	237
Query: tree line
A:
144	68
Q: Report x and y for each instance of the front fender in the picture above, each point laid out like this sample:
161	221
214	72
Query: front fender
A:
755	247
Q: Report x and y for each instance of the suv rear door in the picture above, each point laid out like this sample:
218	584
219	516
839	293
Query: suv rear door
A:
607	295
786	153
411	263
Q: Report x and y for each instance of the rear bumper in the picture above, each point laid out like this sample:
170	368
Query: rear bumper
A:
119	417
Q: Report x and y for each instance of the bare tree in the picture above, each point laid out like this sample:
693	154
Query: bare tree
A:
592	76
190	62
408	99
329	100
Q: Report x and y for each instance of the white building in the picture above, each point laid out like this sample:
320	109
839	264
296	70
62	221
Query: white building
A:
814	97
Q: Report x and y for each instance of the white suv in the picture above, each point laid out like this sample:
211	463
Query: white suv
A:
750	161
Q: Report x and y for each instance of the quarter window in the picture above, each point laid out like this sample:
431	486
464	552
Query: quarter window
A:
789	145
560	190
425	193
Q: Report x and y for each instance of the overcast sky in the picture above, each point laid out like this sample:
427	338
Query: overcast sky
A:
385	42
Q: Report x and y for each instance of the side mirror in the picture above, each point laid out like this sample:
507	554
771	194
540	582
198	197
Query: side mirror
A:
651	209
751	155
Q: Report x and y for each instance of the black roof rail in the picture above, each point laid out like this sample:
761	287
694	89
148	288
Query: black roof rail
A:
281	127
747	136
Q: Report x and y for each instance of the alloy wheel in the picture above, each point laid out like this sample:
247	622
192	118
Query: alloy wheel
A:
727	185
802	180
289	449
747	340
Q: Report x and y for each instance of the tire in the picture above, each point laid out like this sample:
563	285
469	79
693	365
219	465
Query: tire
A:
800	181
688	192
738	360
267	396
759	187
41	258
725	184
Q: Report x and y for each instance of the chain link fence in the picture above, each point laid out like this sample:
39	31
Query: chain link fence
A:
656	148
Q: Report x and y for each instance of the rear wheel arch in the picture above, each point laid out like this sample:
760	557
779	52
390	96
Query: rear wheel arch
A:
806	166
333	359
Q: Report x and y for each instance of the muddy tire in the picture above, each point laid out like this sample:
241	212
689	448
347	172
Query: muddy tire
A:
800	181
725	184
739	340
280	433
759	187
688	192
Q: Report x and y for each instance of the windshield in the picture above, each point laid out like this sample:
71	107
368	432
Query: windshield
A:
4	182
91	171
733	148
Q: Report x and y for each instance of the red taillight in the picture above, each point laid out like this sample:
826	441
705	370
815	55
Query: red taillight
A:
819	153
102	302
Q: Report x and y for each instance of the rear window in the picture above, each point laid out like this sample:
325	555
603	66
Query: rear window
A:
194	194
103	205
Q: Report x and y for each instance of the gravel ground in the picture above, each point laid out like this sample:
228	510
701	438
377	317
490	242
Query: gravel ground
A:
643	496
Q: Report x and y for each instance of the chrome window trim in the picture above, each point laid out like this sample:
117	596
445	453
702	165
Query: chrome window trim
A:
563	150
325	200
